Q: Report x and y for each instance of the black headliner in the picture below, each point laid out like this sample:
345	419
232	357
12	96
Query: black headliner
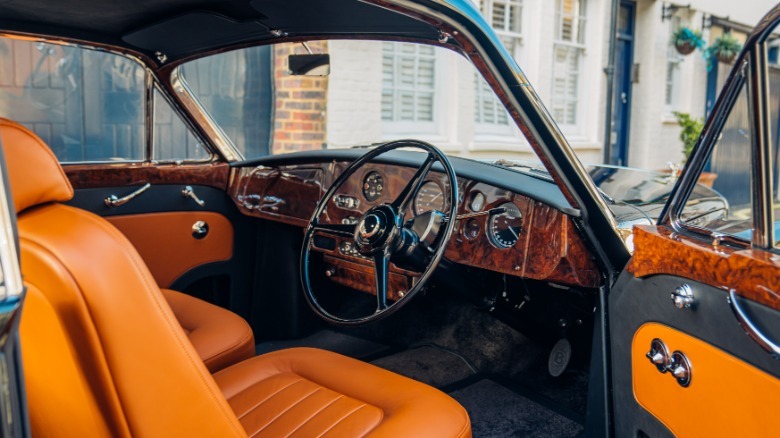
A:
150	25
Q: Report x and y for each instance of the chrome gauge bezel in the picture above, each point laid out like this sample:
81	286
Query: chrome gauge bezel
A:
379	189
492	235
416	202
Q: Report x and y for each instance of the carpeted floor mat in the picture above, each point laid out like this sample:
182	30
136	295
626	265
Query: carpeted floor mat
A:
328	340
497	411
428	364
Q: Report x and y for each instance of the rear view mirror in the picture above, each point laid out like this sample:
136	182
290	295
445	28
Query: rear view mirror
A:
317	64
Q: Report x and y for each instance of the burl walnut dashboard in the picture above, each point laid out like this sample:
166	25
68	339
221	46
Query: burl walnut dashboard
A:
526	238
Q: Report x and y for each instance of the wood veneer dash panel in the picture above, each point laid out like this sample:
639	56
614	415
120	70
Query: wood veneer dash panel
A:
88	176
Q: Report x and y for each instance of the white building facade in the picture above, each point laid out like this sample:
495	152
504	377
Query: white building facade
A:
562	46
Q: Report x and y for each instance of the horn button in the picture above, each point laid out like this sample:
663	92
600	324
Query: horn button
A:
375	229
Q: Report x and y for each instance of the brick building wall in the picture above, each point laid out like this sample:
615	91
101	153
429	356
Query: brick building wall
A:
300	103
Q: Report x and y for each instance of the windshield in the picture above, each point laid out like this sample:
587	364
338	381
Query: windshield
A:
367	92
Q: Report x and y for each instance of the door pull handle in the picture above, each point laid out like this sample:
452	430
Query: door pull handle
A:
750	328
114	201
188	192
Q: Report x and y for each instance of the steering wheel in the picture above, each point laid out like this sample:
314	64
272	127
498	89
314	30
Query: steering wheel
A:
383	235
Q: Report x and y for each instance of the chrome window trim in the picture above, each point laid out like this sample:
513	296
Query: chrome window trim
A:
212	130
763	215
186	121
701	154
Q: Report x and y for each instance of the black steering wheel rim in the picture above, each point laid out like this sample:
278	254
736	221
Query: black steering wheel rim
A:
382	252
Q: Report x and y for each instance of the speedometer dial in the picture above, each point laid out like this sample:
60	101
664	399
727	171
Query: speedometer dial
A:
504	228
429	197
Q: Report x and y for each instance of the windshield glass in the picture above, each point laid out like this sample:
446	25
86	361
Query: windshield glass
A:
368	92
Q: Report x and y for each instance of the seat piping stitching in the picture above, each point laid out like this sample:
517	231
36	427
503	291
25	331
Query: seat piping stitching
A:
267	398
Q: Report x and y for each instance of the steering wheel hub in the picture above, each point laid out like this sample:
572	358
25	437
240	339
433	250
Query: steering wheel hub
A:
375	229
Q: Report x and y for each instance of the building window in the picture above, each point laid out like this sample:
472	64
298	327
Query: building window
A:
408	86
506	18
673	62
569	47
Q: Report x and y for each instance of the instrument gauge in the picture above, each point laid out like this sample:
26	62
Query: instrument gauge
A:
373	185
429	197
504	228
476	201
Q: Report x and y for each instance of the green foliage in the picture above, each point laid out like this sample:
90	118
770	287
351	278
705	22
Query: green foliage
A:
691	130
684	35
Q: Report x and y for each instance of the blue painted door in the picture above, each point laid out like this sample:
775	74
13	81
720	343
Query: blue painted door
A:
621	104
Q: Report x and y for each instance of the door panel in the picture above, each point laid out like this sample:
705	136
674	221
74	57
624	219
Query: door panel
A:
159	223
168	246
740	398
641	309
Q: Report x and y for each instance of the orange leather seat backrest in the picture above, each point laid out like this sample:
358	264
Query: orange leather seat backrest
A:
103	353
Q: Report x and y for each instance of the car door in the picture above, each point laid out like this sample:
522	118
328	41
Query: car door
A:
694	320
132	158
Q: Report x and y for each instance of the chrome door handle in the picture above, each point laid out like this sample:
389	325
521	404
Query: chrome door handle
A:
754	332
683	298
113	201
187	192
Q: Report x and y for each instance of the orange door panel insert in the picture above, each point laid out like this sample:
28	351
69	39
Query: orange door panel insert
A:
726	396
166	243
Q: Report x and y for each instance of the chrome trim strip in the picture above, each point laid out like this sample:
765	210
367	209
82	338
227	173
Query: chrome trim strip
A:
212	130
11	277
149	114
761	181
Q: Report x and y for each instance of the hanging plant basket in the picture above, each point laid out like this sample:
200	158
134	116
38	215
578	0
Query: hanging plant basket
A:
686	40
726	58
724	49
684	48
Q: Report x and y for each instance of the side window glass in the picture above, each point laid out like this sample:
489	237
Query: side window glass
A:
728	170
88	105
173	139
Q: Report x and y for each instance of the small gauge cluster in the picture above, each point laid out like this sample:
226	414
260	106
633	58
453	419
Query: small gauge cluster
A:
502	227
373	186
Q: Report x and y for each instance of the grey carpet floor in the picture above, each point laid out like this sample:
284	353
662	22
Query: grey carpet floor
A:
496	411
427	364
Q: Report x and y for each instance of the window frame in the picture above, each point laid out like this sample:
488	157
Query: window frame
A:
750	72
151	82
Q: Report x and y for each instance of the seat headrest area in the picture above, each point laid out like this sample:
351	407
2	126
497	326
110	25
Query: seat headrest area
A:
34	173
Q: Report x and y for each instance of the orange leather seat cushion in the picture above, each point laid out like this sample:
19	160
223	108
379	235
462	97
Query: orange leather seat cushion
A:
308	392
220	337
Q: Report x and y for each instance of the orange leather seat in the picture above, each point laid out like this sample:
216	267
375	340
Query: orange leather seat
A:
220	337
104	354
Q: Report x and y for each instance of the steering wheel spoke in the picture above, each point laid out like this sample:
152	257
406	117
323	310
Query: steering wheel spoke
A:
381	273
406	195
343	230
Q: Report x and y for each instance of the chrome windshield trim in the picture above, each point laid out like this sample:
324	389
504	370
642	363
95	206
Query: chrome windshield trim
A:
211	129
